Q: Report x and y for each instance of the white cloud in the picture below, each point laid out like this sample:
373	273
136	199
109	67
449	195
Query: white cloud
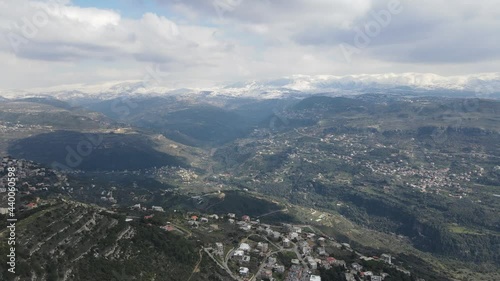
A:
250	39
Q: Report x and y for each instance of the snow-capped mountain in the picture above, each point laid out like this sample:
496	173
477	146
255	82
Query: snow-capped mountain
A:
484	83
481	85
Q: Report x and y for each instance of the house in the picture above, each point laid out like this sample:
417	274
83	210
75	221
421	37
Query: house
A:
167	228
356	266
244	271
286	243
215	217
31	205
245	218
305	250
219	248
244	247
279	268
312	263
294	235
346	245
310	235
148	217
386	258
204	220
321	241
238	255
315	278
231	215
376	278
194	218
246	227
330	260
321	251
157	209
367	273
266	274
262	246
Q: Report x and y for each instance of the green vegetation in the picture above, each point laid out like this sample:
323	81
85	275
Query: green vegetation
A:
417	176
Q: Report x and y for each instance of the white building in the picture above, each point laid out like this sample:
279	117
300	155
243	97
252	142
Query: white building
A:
243	271
238	254
244	247
286	243
312	263
246	227
386	258
263	246
219	248
321	251
158	209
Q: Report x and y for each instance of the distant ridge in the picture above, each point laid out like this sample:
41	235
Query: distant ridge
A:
480	85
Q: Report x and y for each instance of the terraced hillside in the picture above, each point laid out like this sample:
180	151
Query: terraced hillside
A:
74	241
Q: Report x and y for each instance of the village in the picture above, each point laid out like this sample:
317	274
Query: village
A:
40	179
401	164
249	250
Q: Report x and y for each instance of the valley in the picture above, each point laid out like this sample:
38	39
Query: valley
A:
407	176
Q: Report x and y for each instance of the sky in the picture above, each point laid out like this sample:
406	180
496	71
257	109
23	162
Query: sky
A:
200	43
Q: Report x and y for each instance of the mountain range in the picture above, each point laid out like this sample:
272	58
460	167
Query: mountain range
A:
485	85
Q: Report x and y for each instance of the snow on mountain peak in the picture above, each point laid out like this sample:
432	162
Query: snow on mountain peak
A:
484	83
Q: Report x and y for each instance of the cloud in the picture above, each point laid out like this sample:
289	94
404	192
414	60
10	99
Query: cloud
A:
201	42
425	32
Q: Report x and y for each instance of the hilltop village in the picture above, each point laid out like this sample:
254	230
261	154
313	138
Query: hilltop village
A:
250	250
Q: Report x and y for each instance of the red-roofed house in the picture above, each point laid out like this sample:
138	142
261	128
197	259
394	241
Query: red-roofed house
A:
31	205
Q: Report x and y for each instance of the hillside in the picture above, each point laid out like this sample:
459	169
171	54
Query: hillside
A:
74	241
423	168
414	176
191	121
52	132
